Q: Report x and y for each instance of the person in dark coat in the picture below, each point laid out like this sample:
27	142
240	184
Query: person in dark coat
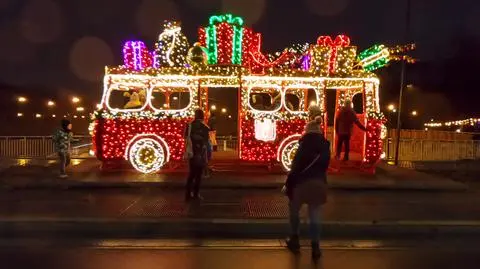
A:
306	183
197	132
345	120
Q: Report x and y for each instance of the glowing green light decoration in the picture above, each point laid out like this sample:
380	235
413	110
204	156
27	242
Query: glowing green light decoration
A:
374	57
211	44
237	38
237	45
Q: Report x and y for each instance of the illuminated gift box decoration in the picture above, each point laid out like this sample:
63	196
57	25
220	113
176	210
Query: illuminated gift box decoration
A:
227	41
333	56
374	57
136	55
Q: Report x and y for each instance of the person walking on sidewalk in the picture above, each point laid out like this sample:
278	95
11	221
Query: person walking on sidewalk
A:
62	140
197	138
345	120
306	184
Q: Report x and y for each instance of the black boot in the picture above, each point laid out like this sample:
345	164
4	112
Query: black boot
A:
316	252
293	244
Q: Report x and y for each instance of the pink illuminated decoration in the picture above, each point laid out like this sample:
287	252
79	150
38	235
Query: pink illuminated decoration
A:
136	55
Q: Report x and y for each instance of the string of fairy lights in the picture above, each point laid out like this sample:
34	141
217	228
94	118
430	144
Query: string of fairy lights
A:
229	54
456	123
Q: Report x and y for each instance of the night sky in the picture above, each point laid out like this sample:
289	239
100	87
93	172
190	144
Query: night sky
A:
60	47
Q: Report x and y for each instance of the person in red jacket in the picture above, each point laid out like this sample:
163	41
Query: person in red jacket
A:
345	120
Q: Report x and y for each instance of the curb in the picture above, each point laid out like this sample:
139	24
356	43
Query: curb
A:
334	183
233	228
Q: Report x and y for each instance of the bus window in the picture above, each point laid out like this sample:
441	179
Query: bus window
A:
126	97
298	100
293	99
357	102
312	98
265	99
170	98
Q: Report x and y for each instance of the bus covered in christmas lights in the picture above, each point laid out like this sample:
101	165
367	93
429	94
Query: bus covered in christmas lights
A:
148	101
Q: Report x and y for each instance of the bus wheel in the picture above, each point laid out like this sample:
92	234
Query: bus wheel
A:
287	154
147	154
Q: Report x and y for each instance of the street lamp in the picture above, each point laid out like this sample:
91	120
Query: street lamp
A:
50	103
54	116
213	107
402	82
414	113
22	99
391	107
38	116
80	109
19	114
224	110
75	100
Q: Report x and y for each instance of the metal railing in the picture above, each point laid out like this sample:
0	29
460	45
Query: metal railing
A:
227	143
410	149
39	147
433	150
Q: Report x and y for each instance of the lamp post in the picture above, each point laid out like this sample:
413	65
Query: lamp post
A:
402	82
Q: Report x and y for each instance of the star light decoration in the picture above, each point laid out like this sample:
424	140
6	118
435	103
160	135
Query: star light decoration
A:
228	54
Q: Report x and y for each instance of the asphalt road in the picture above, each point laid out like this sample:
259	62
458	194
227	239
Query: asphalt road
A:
134	254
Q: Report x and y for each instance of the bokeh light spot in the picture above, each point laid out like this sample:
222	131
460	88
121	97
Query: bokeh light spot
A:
88	58
204	5
41	21
151	14
250	10
327	7
14	49
101	12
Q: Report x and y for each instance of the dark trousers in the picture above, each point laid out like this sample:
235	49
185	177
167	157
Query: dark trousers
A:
341	140
64	159
194	178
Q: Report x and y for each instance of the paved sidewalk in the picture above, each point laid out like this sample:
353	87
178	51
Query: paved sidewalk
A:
251	213
87	174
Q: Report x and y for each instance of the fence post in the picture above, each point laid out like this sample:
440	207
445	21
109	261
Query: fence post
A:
421	149
44	148
24	146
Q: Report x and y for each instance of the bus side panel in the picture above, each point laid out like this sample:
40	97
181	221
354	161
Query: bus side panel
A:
113	136
261	151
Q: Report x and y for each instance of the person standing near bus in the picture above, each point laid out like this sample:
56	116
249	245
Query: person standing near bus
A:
344	122
212	123
62	139
197	138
